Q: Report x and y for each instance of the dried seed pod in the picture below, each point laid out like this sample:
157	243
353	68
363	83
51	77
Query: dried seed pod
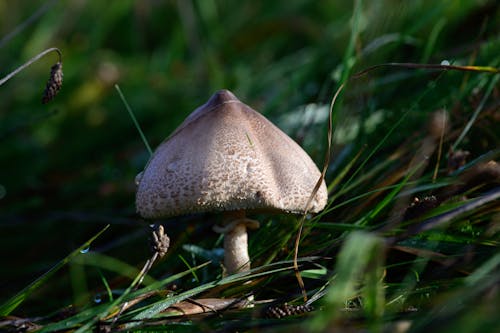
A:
54	83
160	241
286	310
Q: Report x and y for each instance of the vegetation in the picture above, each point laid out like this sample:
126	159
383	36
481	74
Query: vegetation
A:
409	239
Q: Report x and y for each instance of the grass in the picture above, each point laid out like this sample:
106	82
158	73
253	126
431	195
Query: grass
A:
375	259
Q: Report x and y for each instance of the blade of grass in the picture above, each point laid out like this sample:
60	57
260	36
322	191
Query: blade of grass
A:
134	120
92	315
345	170
384	188
29	62
445	218
387	199
106	284
446	316
360	254
136	282
491	155
375	149
349	59
338	226
478	110
407	66
440	148
195	276
326	163
355	182
11	304
442	67
431	41
331	186
111	264
152	310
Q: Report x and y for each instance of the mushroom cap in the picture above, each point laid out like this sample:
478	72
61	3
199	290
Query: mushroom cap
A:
226	156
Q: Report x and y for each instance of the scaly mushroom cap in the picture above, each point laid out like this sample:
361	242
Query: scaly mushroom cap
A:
226	156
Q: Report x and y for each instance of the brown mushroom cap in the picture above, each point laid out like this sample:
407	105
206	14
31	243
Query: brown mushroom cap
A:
226	156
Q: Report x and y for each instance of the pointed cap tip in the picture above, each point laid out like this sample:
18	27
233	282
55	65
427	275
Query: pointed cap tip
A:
222	96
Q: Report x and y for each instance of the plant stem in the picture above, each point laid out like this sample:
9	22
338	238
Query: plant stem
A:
29	62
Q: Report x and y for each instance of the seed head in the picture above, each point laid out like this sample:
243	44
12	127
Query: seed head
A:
54	83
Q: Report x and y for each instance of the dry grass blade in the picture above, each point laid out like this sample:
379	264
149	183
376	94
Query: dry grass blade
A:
410	65
313	193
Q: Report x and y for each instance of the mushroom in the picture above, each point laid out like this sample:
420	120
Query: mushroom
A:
227	157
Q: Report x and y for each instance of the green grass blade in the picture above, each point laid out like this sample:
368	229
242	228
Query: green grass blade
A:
344	171
75	320
155	308
106	285
489	90
195	276
11	304
487	269
475	312
134	120
372	153
112	264
387	199
360	254
90	316
431	41
152	310
349	59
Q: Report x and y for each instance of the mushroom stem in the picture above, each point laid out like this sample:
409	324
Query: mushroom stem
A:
236	258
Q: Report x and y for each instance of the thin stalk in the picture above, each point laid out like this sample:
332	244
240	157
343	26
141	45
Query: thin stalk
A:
313	194
29	62
136	123
480	107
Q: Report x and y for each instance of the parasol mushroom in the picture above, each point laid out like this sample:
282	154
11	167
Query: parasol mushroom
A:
228	157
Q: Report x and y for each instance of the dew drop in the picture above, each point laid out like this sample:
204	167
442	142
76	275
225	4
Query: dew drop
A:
138	178
85	250
445	63
97	299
